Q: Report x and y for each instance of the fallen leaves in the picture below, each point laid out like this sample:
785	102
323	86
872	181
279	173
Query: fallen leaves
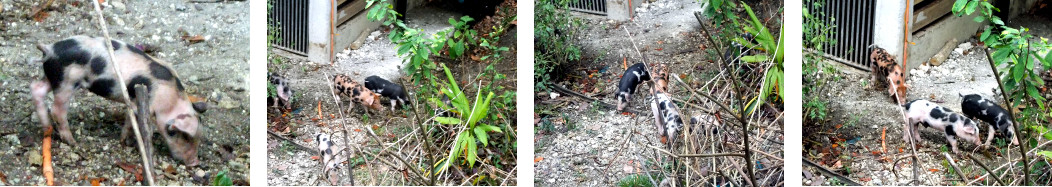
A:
314	157
3	178
131	168
933	170
538	159
193	39
97	181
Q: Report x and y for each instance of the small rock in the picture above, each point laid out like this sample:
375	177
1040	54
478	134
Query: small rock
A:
965	45
198	7
35	158
199	173
119	6
228	104
181	8
13	139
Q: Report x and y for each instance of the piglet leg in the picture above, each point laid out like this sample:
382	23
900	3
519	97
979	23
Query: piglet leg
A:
953	143
990	136
39	90
59	110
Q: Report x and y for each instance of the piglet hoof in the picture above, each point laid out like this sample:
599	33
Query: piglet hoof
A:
67	137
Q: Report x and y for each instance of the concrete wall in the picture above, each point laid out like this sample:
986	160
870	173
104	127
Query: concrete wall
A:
622	9
887	22
318	24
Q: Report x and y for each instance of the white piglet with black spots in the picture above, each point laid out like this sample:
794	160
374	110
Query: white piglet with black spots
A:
924	112
83	62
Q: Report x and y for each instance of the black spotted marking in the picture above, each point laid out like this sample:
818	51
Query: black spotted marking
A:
138	79
179	85
102	87
937	114
160	72
116	45
98	65
135	50
328	151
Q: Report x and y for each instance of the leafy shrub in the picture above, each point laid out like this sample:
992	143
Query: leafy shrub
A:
553	39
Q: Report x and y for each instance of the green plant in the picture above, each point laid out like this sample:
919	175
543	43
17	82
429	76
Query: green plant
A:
554	44
222	179
636	180
817	26
465	143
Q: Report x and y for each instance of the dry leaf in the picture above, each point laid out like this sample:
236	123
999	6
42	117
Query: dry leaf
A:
538	159
97	181
314	157
194	39
933	170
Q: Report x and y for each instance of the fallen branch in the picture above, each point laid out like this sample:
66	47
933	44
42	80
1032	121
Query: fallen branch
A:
560	89
826	171
954	165
49	173
988	171
308	149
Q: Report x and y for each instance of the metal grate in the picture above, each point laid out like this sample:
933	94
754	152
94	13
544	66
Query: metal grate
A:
589	6
290	17
853	32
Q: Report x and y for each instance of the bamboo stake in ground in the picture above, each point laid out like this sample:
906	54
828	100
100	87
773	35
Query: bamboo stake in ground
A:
124	92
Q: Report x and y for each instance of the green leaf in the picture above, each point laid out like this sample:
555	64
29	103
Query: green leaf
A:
489	128
1017	72
481	134
1046	154
471	151
221	179
979	19
997	20
986	34
448	120
754	58
971	7
958	6
480	110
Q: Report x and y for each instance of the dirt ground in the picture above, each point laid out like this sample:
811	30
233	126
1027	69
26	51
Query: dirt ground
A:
292	165
215	69
860	113
592	145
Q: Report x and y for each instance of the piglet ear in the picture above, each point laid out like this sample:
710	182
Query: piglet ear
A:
200	107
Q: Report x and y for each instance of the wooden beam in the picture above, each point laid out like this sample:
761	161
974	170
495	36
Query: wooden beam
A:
928	14
349	10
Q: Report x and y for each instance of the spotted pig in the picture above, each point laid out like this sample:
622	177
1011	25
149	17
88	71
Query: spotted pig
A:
282	97
630	80
358	93
924	112
976	106
83	62
887	72
394	92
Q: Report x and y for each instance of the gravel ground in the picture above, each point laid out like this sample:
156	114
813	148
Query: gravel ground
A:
598	146
214	69
290	165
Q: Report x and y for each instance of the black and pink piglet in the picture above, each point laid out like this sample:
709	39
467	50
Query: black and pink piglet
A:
83	62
